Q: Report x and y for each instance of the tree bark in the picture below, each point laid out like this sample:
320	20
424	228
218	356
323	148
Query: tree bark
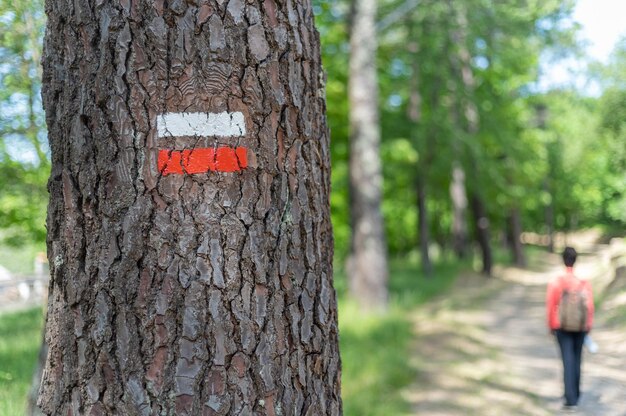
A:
191	260
367	264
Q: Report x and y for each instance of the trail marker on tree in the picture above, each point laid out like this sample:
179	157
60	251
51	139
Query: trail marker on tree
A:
203	159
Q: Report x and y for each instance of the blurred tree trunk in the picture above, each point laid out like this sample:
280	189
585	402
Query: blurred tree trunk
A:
458	189
176	288
515	232
367	264
424	149
549	212
470	112
424	236
542	115
482	231
459	210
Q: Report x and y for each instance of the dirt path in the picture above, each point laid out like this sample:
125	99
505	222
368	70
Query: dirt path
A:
486	351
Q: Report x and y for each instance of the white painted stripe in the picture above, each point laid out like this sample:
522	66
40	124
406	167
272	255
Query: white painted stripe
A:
201	124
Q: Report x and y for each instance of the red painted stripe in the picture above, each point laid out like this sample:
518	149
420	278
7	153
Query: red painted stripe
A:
169	162
242	156
199	160
221	159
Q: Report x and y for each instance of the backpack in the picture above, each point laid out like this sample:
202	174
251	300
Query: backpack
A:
573	308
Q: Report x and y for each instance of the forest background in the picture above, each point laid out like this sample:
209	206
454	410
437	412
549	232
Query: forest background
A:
460	91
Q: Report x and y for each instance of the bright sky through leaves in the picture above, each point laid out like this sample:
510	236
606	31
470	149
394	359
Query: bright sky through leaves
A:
603	24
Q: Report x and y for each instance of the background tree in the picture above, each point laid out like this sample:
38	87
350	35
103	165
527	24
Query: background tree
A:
188	276
414	113
367	265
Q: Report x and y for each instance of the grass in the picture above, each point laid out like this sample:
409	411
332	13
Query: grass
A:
376	349
20	339
374	352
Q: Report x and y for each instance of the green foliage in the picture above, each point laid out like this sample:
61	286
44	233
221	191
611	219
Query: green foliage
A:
613	157
613	74
574	147
572	160
20	339
613	134
24	163
399	202
23	202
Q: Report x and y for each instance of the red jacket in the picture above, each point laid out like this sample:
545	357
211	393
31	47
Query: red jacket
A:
553	296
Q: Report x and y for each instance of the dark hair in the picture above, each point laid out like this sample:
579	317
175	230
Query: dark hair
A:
569	256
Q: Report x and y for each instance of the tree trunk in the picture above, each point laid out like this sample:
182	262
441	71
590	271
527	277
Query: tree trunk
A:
471	117
189	237
549	214
367	264
458	189
459	210
482	231
422	221
414	114
515	231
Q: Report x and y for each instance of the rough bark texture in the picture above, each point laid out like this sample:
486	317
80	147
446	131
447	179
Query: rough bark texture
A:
204	294
367	265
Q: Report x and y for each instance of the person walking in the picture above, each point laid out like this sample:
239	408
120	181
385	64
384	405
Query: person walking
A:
569	306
